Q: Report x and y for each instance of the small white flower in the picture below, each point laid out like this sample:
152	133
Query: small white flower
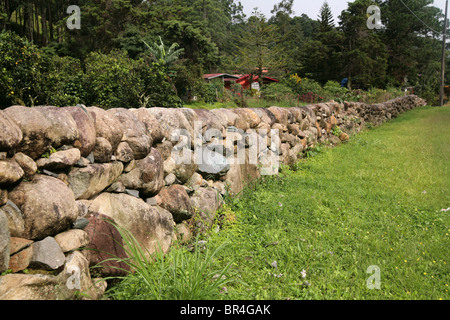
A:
303	273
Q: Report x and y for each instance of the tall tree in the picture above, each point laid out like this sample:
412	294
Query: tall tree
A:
326	19
411	29
365	55
258	49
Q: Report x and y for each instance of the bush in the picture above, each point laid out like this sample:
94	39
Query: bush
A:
277	92
20	71
309	90
63	85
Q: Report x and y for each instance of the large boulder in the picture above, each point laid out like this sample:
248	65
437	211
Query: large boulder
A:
47	255
10	133
19	286
105	247
206	202
86	129
60	159
94	178
10	172
147	176
183	169
171	119
107	126
63	128
34	127
134	132
176	200
47	205
151	226
150	122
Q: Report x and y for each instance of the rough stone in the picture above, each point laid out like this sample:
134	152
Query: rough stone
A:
72	239
77	278
60	159
33	287
212	163
151	123
26	163
177	202
63	129
134	132
170	179
151	226
4	242
10	133
103	150
105	243
182	170
10	172
124	153
47	206
106	126
206	201
47	255
21	251
3	197
86	129
344	137
91	180
34	127
147	176
183	232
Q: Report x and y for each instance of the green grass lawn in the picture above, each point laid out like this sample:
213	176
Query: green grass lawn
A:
313	233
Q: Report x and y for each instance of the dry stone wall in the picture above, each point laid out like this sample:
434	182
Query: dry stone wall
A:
67	174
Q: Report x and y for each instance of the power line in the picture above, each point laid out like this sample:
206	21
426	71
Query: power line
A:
438	33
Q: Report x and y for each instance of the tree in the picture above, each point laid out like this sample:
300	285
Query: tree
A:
321	55
258	49
365	54
412	36
326	18
162	54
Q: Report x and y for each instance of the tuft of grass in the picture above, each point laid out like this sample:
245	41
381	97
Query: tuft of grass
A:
178	275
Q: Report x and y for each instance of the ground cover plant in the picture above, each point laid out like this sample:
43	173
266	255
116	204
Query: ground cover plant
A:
315	232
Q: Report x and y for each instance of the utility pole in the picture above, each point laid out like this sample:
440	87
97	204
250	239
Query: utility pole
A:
441	95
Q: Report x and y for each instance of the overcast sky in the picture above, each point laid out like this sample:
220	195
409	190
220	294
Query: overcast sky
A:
310	7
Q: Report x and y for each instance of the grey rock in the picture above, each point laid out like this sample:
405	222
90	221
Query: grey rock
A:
47	255
4	242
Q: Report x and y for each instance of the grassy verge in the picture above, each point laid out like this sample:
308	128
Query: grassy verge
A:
313	233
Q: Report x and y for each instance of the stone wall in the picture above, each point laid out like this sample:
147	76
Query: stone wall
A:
66	173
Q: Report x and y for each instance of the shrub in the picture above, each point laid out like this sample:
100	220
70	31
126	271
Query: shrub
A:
63	84
111	80
20	70
277	92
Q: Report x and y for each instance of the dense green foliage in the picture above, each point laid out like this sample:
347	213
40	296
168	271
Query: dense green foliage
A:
46	62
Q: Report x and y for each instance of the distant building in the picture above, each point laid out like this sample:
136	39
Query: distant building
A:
243	80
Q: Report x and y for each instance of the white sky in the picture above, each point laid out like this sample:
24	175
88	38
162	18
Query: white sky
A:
311	7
